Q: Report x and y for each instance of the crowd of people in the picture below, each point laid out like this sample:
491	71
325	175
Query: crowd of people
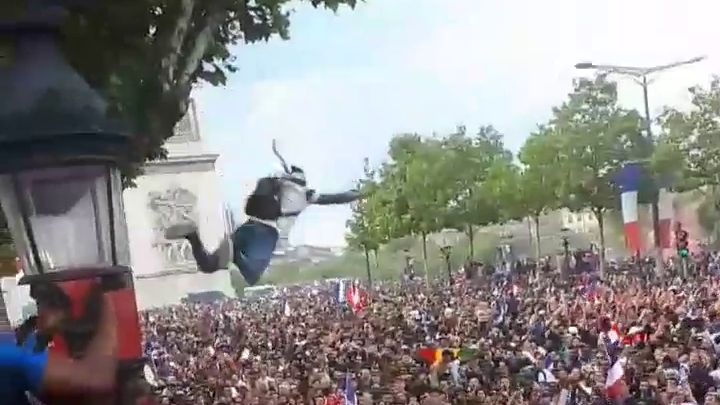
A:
520	339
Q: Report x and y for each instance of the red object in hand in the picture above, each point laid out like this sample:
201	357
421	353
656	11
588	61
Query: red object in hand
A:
128	322
129	345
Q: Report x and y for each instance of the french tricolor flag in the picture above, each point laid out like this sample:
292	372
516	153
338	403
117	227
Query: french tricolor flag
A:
628	180
357	298
610	335
615	387
613	335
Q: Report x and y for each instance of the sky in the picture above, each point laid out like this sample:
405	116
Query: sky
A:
345	83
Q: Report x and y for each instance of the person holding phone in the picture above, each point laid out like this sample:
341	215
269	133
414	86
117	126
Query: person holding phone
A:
40	373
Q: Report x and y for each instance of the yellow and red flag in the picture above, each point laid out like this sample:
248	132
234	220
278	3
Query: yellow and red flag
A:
433	356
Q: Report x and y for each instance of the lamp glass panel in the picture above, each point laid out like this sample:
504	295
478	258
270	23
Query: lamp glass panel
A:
68	210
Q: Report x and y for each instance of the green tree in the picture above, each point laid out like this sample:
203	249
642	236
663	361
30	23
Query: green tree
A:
393	175
689	149
425	191
690	140
468	161
537	184
595	137
709	217
365	232
146	56
413	188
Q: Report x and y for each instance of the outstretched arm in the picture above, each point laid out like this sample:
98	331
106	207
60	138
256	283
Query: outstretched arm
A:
332	199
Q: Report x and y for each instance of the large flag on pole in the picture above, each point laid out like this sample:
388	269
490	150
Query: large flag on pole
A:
628	180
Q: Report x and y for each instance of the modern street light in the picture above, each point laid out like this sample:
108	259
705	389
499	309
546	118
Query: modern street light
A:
640	75
565	232
61	192
445	241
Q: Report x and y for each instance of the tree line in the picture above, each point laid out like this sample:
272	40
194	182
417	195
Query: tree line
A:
467	179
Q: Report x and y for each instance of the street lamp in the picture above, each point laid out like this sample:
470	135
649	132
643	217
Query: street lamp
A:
565	232
445	241
60	188
661	220
640	75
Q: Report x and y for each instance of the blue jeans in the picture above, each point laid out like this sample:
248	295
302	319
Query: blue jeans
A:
253	246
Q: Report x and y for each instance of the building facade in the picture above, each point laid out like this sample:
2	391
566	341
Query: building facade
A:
185	186
581	221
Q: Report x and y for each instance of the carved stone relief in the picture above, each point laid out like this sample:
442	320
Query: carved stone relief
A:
170	207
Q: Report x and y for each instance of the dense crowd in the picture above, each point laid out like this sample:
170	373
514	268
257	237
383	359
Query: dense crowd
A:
526	339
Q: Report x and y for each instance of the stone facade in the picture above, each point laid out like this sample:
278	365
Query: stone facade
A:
583	221
185	186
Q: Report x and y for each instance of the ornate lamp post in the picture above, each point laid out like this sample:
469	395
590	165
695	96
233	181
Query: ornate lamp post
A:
60	189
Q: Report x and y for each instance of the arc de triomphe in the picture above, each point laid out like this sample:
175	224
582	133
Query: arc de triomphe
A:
184	186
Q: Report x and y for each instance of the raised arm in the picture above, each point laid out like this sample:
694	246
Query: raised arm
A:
332	199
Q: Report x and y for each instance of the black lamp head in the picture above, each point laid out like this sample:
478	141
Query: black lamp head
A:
49	115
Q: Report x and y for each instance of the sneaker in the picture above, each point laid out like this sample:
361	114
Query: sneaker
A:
180	230
224	253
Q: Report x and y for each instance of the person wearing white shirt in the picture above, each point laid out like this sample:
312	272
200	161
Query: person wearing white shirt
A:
271	209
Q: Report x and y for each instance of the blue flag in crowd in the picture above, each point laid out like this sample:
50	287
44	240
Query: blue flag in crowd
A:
612	348
349	392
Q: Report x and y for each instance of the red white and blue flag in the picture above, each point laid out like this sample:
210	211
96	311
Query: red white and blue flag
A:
349	391
612	338
357	298
615	387
610	335
628	180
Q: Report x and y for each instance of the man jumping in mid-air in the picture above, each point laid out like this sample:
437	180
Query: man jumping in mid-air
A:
271	210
